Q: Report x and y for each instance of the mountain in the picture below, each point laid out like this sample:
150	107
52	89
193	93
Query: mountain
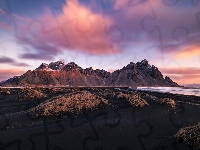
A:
7	81
59	73
140	74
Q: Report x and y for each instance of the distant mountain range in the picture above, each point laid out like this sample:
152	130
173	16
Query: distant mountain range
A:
59	73
194	85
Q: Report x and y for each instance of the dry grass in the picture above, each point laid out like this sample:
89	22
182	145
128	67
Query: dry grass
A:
39	88
189	135
29	94
72	104
56	90
4	91
169	102
60	90
133	98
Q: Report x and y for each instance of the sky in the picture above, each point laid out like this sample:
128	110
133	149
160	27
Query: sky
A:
103	34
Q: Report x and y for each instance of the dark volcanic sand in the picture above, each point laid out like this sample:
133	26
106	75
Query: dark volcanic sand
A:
122	127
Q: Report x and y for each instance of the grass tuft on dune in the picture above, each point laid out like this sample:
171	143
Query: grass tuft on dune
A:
169	102
71	104
29	94
189	135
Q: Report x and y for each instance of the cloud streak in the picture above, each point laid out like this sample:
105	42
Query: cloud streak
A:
9	73
8	60
186	78
181	70
188	52
183	75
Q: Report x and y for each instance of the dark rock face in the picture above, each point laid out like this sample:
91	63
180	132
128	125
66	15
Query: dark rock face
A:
56	65
71	67
52	66
140	74
43	66
57	73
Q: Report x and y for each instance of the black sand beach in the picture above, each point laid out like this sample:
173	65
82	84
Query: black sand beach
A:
119	126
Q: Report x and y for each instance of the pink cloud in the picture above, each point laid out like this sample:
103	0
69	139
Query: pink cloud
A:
3	25
189	52
186	79
180	70
77	28
11	71
153	22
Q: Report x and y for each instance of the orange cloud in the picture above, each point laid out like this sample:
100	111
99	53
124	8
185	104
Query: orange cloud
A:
180	70
9	73
183	75
186	79
188	53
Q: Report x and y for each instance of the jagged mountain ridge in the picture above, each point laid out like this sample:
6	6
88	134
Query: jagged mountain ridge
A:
59	73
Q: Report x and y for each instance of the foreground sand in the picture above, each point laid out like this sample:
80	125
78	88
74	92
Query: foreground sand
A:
117	126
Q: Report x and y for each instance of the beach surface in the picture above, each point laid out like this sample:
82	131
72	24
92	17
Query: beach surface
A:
118	126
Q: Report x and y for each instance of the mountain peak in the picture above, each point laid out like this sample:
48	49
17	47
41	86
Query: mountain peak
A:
58	65
43	66
57	62
71	66
144	62
130	66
